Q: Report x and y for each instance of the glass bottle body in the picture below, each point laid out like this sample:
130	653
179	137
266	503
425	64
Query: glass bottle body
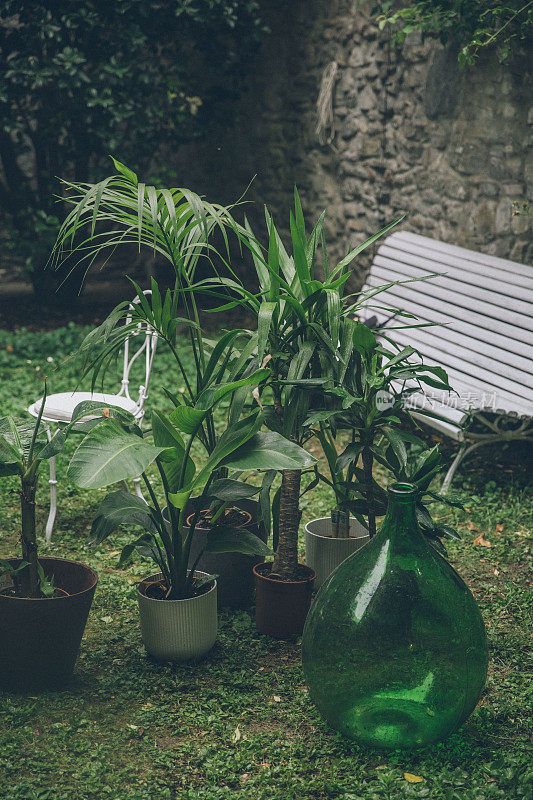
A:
394	647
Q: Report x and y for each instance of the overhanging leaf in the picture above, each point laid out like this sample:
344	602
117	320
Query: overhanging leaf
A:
109	454
269	450
229	539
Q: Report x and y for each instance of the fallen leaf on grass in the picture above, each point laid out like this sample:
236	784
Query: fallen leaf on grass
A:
277	698
107	620
236	735
480	540
412	778
499	528
472	527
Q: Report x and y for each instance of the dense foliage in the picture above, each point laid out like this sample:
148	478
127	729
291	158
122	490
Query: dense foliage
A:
80	80
469	25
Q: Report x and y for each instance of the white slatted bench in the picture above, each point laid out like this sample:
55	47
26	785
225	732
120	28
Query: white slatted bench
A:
485	345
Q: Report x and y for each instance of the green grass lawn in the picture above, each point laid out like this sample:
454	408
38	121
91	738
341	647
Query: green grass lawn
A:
240	724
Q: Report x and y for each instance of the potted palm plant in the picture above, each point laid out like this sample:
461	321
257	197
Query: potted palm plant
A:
177	226
177	605
44	602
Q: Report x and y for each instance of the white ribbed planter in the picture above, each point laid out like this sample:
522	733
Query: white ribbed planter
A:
178	630
324	553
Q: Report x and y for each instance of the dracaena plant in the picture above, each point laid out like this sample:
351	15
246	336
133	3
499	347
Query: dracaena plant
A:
371	406
116	449
23	446
300	307
419	464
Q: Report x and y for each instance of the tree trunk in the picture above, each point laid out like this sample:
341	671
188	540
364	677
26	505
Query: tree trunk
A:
286	558
29	534
368	460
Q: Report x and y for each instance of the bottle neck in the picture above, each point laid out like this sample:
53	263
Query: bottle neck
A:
400	522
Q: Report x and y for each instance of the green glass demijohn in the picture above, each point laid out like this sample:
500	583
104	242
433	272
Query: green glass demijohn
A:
394	647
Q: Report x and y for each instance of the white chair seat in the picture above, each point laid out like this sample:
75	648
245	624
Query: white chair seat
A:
60	407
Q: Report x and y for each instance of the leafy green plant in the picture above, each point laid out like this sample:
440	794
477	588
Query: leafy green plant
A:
80	80
177	225
371	406
469	26
300	320
23	446
116	449
418	464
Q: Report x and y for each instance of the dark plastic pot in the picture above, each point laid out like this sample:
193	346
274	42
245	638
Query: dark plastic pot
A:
281	607
234	570
40	638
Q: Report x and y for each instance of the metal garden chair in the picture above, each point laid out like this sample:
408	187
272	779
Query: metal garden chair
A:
60	407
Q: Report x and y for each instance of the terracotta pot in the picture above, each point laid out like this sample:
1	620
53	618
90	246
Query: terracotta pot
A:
281	607
40	638
178	630
233	570
324	552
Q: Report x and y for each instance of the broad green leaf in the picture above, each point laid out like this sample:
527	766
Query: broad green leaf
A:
269	450
231	490
120	508
363	339
211	396
397	444
9	455
229	539
231	439
187	419
54	446
181	498
146	540
349	456
88	412
109	454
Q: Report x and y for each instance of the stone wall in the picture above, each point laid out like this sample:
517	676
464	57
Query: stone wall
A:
411	133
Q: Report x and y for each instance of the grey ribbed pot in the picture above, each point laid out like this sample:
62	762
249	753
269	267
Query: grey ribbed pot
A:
178	630
324	553
233	570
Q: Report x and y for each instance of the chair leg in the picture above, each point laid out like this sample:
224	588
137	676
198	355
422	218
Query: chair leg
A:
137	481
53	500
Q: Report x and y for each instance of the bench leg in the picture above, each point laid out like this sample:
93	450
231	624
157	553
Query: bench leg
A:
453	468
465	450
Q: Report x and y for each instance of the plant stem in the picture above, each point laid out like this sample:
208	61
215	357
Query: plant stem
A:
340	523
29	534
286	558
368	460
